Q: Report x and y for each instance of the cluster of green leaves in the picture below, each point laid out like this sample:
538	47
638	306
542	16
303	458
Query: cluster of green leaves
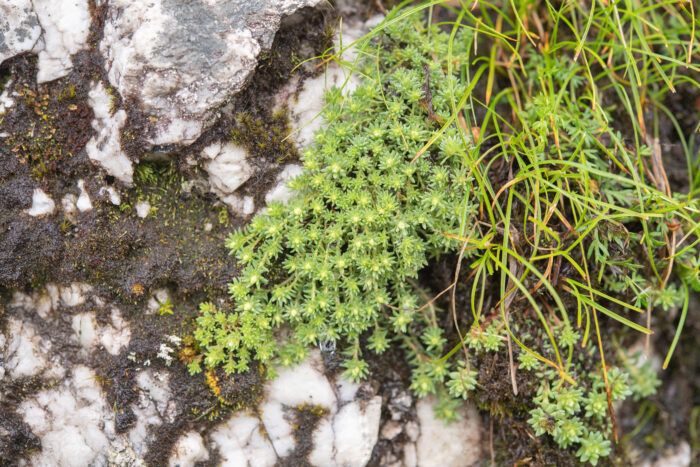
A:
335	261
578	415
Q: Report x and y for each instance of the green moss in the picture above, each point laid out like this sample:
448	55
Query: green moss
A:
5	77
128	255
51	125
265	136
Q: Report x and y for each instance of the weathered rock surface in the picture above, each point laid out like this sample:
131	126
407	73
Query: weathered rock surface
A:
179	60
55	30
19	28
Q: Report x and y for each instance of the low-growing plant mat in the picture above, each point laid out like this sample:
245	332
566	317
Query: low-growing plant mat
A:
546	153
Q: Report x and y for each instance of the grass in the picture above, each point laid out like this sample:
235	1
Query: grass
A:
569	228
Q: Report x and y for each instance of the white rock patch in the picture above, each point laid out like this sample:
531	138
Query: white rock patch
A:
83	203
240	442
74	294
121	454
152	409
104	148
356	428
453	445
228	168
180	61
42	302
159	296
142	209
244	205
678	456
188	450
281	191
305	110
73	421
26	352
310	386
20	28
66	24
349	440
5	100
42	204
113	338
112	194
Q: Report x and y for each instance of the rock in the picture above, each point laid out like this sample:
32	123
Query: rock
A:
65	25
88	333
456	444
42	204
6	101
356	427
391	430
399	404
310	386
112	194
179	60
677	456
188	450
73	295
54	29
244	205
142	209
19	28
25	351
104	148
83	203
241	442
281	191
305	109
73	421
227	167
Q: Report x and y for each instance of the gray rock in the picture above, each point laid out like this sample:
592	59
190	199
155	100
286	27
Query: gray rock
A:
179	60
53	29
19	28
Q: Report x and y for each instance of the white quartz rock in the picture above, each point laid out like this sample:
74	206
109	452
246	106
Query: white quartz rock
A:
305	110
74	294
112	337
244	205
188	450
180	60
112	194
349	439
104	148
142	209
73	421
6	101
83	203
303	384
42	204
65	24
447	445
19	28
55	29
228	168
677	456
154	407
281	191
26	352
241	442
